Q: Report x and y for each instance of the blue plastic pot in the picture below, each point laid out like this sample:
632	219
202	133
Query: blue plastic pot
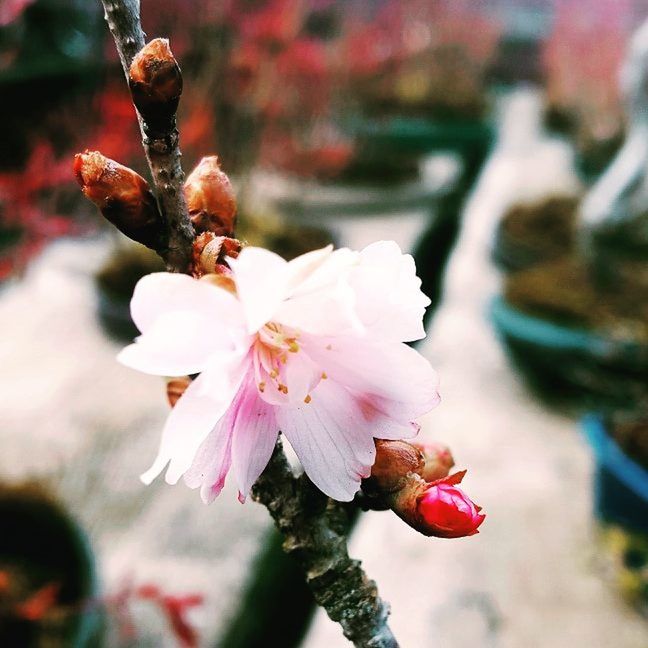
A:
572	363
620	484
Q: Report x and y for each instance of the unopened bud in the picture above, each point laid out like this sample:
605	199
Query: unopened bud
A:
447	512
210	198
439	508
175	388
395	461
122	195
156	85
438	460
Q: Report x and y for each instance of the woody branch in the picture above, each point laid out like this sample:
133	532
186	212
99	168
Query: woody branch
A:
311	523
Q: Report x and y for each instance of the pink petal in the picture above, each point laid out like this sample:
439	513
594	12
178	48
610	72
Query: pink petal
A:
261	280
397	377
254	436
332	439
196	413
301	376
212	461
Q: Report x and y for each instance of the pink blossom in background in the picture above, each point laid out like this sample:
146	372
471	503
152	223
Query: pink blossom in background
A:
10	10
313	347
448	511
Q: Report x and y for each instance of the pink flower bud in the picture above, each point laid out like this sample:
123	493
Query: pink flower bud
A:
446	511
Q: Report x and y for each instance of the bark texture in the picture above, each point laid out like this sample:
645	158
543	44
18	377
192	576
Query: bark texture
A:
314	530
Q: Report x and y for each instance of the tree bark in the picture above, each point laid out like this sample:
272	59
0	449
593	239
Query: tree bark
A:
314	530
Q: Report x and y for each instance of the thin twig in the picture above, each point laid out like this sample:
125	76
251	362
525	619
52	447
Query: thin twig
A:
161	148
313	530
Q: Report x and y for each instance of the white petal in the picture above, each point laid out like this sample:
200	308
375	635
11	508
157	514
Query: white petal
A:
176	344
254	436
303	266
261	280
165	292
387	371
183	323
196	413
324	312
327	272
332	439
389	300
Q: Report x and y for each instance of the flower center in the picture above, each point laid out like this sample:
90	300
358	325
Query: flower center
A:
272	347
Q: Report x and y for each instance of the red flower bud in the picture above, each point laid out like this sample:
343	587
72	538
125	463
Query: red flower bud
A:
438	460
210	198
446	511
156	85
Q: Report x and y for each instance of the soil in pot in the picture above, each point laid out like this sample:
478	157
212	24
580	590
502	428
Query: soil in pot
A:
583	344
564	291
535	232
630	431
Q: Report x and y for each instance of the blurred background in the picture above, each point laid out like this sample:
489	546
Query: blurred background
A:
504	143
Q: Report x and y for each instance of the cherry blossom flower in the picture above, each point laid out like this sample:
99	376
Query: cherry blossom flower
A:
313	348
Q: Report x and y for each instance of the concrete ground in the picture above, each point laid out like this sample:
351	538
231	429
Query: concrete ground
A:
531	578
73	417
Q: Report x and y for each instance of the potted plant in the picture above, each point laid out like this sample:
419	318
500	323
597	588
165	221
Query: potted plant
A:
579	320
620	446
48	582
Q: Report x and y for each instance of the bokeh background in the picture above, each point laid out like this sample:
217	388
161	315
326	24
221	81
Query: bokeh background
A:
481	135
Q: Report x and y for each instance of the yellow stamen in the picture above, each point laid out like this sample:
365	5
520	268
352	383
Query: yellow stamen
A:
324	376
262	387
282	388
308	399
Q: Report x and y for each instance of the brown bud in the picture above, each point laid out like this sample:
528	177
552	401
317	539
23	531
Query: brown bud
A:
122	195
175	388
395	461
438	460
210	198
209	253
156	85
